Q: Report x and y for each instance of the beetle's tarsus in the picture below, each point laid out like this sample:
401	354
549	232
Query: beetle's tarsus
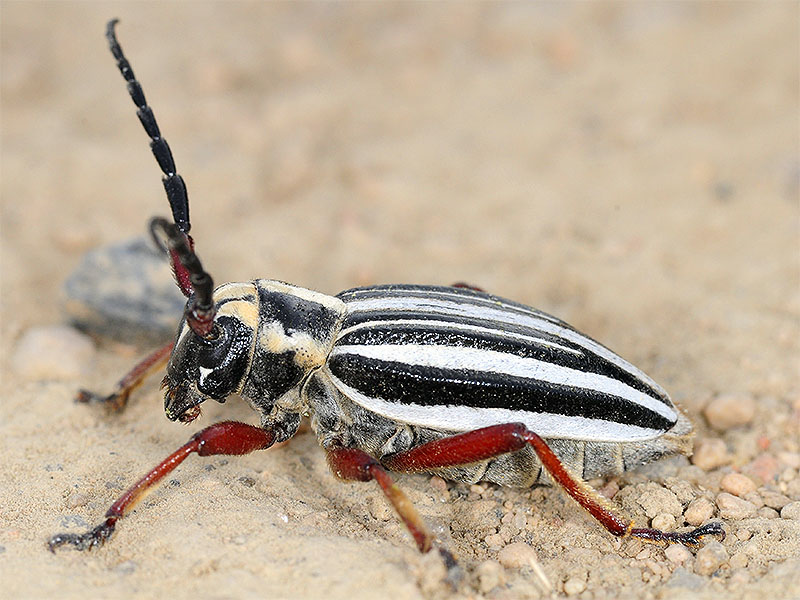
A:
114	402
84	541
690	539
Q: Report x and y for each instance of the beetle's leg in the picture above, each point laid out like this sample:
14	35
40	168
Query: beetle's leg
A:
351	464
118	399
228	438
489	442
467	286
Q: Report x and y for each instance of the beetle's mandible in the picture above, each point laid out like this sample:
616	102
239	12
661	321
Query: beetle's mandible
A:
444	380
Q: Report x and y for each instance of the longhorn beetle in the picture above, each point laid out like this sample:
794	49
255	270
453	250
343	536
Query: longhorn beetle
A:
411	378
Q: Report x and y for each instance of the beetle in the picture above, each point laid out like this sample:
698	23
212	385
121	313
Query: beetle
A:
448	380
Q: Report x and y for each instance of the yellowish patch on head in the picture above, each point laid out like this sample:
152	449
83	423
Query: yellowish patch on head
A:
245	311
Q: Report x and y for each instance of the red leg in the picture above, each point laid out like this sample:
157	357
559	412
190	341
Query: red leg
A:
467	286
489	442
354	465
228	437
117	399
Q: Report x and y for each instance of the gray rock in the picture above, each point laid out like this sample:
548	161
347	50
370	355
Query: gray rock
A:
125	291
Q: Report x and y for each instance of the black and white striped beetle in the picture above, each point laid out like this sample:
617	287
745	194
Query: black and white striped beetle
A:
445	380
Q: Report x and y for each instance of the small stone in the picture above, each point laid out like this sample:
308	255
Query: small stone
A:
737	484
53	352
743	534
764	468
76	499
494	540
710	558
791	511
754	498
490	574
699	511
439	484
774	500
574	586
681	578
765	512
677	554
664	522
730	410
710	454
738	560
731	507
656	500
516	555
790	459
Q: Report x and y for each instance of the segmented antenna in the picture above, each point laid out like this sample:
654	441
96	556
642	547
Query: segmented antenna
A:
200	310
189	273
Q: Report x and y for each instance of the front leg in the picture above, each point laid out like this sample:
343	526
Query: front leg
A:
228	438
118	399
489	442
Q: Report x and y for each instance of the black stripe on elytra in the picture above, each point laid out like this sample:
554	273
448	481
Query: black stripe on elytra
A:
297	314
409	384
374	333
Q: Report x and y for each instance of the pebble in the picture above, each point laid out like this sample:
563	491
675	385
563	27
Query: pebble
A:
790	459
737	484
677	554
774	500
763	468
490	574
656	500
710	454
730	410
574	586
791	511
765	512
754	498
516	555
731	507
494	540
710	558
53	352
699	511
76	499
439	484
664	522
738	561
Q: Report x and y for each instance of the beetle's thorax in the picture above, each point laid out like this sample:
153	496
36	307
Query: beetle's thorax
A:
295	334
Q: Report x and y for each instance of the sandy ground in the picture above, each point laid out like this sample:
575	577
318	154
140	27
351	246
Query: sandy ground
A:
631	168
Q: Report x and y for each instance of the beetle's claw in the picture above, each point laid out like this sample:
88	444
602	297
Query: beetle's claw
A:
82	541
692	538
114	402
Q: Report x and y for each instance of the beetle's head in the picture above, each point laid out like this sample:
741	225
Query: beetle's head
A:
214	365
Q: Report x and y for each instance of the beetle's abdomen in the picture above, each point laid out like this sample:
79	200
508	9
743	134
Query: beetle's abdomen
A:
454	359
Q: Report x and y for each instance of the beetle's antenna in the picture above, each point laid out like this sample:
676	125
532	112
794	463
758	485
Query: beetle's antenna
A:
173	183
189	273
200	309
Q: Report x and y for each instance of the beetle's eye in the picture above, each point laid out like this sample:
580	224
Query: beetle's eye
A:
216	334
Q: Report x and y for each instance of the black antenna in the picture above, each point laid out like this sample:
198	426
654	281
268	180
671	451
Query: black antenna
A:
174	185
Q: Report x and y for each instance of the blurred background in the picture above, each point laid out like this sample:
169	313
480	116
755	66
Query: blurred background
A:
632	168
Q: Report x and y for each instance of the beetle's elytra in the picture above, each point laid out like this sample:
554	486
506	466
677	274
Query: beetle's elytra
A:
445	380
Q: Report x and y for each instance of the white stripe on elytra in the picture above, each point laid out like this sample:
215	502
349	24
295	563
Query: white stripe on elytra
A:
467	418
461	297
445	307
462	327
502	363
